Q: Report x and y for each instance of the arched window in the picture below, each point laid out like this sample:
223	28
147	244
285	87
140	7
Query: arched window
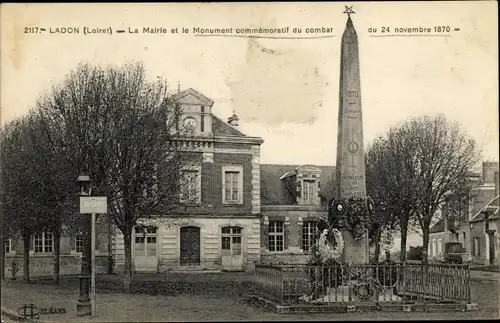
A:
231	241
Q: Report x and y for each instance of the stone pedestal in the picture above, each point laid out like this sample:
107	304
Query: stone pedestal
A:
83	309
355	251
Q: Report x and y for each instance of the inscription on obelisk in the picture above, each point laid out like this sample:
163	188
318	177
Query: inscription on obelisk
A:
350	165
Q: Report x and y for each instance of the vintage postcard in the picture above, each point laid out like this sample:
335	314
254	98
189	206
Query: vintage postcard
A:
249	161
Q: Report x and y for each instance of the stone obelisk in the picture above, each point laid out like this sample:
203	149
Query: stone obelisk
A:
350	172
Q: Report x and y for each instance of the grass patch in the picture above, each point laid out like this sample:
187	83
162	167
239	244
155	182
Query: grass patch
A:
175	288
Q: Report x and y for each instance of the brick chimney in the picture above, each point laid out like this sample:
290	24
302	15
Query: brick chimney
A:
489	170
234	120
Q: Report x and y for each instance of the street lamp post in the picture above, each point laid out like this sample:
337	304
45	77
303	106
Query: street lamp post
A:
84	307
90	205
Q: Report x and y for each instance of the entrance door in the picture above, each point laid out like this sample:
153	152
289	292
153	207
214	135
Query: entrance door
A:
232	255
190	246
492	248
145	248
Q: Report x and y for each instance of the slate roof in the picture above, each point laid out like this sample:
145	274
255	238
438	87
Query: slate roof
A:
438	227
492	206
221	128
271	187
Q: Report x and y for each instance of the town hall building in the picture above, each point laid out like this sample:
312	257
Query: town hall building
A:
217	226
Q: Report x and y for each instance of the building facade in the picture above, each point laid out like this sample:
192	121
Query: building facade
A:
293	199
477	228
216	226
41	254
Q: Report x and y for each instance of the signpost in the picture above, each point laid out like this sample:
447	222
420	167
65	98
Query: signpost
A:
93	205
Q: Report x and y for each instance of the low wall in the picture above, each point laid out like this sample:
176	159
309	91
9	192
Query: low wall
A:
283	259
43	265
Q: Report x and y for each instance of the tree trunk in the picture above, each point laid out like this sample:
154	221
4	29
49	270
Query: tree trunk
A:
26	258
387	255
2	257
110	246
127	279
57	255
425	245
404	236
377	246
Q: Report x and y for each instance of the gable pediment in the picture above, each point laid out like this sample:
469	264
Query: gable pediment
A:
192	97
308	169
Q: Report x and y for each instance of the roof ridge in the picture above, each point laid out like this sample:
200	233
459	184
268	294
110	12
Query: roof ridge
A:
484	207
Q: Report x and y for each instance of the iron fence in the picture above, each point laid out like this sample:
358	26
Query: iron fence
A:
393	283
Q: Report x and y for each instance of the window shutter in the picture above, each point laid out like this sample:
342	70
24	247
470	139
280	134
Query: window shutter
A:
265	233
300	226
286	233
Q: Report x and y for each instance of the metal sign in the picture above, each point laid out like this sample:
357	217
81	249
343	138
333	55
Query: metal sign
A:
93	204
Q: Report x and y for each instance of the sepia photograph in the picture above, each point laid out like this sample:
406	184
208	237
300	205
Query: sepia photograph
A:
249	161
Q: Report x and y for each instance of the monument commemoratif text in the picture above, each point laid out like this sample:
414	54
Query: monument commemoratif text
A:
350	177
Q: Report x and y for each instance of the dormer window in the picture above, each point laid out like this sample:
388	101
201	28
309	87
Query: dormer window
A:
309	192
302	186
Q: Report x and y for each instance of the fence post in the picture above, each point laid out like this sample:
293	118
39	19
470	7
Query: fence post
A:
404	281
282	283
468	283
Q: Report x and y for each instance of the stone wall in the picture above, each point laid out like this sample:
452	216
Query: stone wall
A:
210	242
436	256
43	265
293	218
285	258
477	231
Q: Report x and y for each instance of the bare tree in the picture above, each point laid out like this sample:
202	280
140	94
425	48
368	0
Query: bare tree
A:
390	181
124	131
56	186
443	155
24	193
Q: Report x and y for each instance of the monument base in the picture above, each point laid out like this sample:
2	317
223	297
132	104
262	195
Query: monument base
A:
83	309
355	251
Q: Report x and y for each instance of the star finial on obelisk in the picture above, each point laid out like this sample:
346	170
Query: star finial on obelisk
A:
349	11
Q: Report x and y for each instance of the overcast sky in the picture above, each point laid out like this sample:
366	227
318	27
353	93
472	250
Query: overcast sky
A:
285	90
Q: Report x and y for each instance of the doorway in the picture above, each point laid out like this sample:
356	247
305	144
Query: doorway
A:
190	246
146	249
491	239
231	248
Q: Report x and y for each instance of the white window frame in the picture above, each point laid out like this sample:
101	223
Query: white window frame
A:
9	242
276	234
239	170
231	235
312	192
196	199
44	245
76	238
311	227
